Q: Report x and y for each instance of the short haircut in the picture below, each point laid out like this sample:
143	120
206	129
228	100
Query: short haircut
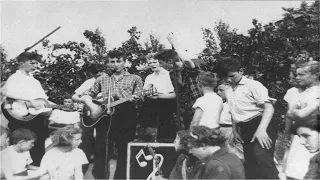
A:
94	68
4	130
314	67
312	123
116	54
26	56
63	137
207	79
22	135
231	65
167	54
223	82
201	136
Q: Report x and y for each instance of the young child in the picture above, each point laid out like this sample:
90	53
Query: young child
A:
16	158
226	121
65	159
208	108
4	138
309	133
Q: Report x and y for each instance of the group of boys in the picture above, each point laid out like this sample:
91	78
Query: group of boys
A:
250	106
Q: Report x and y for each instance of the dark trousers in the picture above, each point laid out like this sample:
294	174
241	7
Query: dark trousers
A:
122	131
158	113
87	145
259	162
39	125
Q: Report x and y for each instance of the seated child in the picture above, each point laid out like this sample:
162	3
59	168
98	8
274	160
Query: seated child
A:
309	133
16	158
65	159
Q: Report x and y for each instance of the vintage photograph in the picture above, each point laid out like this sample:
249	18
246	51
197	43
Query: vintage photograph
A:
154	90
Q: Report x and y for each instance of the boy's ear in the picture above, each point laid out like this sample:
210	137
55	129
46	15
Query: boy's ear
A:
241	70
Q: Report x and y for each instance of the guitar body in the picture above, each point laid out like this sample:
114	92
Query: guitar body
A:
93	113
20	110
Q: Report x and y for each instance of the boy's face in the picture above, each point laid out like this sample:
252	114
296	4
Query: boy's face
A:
117	64
4	140
222	91
29	65
68	102
304	77
76	140
153	64
309	138
26	145
234	77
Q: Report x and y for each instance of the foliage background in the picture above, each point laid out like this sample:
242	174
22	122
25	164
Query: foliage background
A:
266	53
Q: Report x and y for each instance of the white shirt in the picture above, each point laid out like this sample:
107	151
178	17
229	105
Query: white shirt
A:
211	104
246	99
161	82
14	162
23	86
64	163
64	117
225	117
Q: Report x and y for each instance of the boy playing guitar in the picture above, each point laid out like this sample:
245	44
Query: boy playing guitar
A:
23	86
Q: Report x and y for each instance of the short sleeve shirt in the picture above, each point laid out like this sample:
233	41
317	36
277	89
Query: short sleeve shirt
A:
13	161
64	163
211	105
161	82
246	100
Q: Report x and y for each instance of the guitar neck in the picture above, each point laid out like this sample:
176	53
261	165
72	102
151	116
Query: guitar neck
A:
55	106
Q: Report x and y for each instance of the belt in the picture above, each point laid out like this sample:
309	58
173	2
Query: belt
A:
225	125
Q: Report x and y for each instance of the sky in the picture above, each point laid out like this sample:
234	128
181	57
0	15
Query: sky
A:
24	23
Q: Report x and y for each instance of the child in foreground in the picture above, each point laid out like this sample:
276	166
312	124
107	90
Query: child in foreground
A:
309	133
64	161
16	160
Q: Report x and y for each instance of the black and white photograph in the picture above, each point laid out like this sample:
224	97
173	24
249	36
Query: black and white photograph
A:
157	90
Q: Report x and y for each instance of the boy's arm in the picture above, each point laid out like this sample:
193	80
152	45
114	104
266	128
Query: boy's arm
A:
31	167
261	132
78	172
298	113
196	117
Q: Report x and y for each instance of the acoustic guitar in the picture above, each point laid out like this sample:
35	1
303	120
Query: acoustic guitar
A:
93	112
21	110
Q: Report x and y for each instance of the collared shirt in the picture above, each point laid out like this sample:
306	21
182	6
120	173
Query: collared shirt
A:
188	90
24	87
128	84
246	100
161	82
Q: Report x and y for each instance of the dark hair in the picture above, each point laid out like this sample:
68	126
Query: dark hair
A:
22	135
63	137
207	79
201	136
312	123
116	54
167	55
231	65
182	135
26	56
4	130
94	68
